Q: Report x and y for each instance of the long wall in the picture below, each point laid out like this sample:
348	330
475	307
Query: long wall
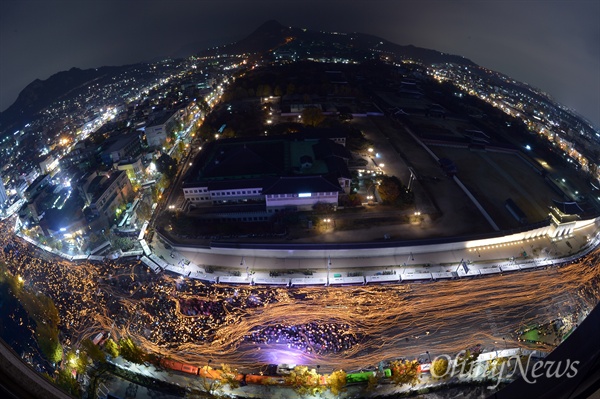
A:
377	249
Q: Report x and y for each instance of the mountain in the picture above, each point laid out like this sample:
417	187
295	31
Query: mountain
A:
39	94
267	38
272	36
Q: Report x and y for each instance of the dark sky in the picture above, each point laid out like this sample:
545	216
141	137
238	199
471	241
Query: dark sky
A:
551	44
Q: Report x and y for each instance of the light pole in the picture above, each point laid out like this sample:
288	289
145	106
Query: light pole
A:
410	179
428	355
328	268
242	263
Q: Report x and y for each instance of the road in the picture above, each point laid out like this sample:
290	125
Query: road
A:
386	322
399	321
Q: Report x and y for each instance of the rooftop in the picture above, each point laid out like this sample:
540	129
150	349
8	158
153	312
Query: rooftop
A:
101	183
268	157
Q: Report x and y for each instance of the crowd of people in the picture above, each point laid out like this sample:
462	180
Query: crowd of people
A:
319	338
167	311
200	307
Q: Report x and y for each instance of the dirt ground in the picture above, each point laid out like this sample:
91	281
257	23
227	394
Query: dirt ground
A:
435	193
494	177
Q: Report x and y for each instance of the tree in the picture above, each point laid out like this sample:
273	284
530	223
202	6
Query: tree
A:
228	133
47	338
312	116
465	361
111	347
180	147
77	362
122	243
43	312
351	200
144	210
323	208
439	368
66	381
305	381
405	372
130	351
336	382
136	185
166	165
208	386
163	183
155	193
389	189
206	132
203	105
93	351
228	375
58	245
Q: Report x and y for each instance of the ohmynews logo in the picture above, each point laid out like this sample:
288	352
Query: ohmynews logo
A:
505	368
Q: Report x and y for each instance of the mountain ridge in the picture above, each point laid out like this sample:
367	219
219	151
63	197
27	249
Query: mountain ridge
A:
41	93
272	34
266	38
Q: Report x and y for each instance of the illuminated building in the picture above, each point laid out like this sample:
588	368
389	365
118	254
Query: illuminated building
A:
291	172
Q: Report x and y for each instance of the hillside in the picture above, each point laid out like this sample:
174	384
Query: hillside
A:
272	36
39	94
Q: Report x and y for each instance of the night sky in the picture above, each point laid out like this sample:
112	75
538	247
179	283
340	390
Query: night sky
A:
551	44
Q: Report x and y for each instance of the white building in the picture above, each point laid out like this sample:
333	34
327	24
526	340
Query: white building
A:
301	193
159	128
284	172
48	165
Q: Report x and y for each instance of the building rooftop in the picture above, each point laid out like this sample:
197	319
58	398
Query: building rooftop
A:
121	140
159	118
100	183
267	157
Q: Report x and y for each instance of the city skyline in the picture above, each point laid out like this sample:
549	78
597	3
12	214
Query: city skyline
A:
554	47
